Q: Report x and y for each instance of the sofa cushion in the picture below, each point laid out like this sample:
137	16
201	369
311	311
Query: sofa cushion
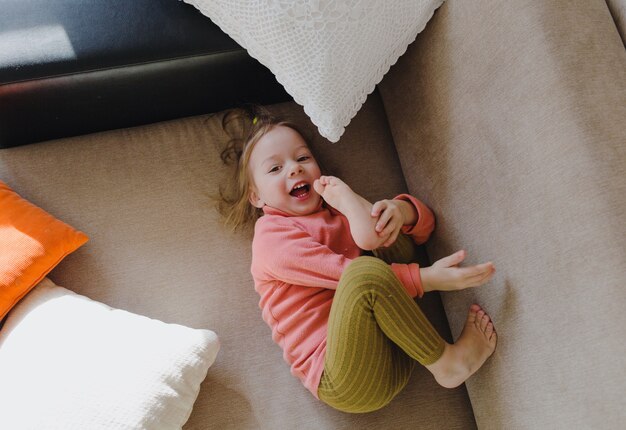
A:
158	249
509	121
74	67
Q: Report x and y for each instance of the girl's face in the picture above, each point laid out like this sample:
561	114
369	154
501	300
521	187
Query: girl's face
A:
283	170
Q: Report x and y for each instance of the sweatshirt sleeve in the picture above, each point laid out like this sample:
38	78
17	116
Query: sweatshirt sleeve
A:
409	277
420	232
283	251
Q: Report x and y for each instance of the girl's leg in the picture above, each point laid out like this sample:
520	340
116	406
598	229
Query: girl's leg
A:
375	332
477	341
403	250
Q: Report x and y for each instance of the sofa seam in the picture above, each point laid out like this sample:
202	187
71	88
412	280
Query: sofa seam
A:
102	69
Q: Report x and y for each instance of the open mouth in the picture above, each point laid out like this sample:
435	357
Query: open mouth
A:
301	190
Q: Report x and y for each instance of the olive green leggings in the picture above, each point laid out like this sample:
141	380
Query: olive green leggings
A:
376	332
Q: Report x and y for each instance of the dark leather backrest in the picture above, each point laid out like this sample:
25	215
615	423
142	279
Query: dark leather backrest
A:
70	67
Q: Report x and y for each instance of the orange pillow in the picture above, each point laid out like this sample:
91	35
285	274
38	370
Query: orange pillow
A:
32	243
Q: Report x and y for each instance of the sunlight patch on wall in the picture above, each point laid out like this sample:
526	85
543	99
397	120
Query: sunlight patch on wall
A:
35	45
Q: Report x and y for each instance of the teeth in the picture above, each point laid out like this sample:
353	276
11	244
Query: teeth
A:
299	186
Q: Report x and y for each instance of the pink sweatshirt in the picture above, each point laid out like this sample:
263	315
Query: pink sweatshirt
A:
296	265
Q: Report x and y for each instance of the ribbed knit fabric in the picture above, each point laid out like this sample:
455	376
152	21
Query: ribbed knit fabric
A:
375	334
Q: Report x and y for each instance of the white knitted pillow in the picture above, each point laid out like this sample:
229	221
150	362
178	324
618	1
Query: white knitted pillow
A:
328	54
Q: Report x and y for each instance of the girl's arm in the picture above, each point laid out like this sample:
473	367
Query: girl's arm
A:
369	233
283	251
404	214
418	221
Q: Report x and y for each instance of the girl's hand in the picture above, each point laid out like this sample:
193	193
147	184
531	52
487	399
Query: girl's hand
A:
445	275
392	215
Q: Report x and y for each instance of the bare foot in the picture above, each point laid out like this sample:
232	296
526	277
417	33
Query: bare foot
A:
337	193
462	359
358	210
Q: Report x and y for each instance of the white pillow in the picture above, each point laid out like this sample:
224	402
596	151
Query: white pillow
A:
68	362
328	54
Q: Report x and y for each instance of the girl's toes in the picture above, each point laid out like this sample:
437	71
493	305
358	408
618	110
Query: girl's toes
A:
475	308
484	321
493	338
318	187
472	315
489	330
479	317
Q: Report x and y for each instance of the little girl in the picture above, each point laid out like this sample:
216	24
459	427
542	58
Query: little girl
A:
347	322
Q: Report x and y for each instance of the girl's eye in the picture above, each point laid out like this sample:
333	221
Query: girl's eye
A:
303	158
274	169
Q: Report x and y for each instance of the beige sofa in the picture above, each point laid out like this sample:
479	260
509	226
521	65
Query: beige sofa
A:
506	118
